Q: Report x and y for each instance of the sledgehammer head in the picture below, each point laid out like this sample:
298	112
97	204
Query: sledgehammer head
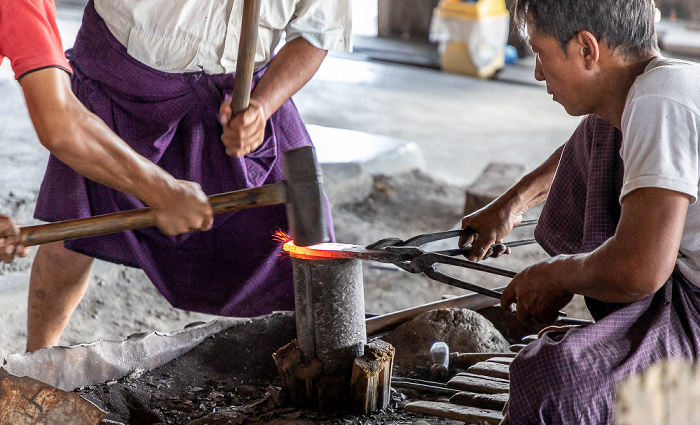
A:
306	205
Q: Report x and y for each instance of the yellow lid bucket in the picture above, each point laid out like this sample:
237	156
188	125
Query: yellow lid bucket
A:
472	10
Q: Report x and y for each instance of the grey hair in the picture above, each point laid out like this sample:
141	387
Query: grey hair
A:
624	25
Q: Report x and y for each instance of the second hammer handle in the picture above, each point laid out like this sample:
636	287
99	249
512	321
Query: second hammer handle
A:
245	62
139	218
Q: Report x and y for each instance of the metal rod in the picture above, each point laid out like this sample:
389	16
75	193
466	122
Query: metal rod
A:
449	280
423	387
465	251
444	259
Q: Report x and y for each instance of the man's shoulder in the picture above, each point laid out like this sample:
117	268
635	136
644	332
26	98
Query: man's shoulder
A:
668	78
671	70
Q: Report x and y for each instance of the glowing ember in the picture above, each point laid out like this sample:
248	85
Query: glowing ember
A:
281	236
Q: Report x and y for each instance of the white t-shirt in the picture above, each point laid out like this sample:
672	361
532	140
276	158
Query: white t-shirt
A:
661	143
203	35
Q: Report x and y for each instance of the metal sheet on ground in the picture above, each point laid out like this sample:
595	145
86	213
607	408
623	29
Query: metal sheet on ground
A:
103	361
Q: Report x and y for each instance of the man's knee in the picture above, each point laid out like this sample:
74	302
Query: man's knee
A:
60	265
57	252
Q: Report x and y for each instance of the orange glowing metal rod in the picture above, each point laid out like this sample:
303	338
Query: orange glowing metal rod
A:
330	251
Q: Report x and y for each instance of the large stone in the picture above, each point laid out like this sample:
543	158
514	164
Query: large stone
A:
463	330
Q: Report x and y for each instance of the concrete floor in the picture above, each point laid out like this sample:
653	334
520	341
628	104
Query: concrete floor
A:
460	123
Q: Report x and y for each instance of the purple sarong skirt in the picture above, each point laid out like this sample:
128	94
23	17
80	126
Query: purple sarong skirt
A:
571	378
235	269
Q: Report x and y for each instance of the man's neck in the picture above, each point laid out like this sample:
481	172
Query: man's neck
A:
618	76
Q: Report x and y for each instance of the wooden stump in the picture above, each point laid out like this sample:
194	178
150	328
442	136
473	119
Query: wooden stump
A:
26	401
298	378
370	384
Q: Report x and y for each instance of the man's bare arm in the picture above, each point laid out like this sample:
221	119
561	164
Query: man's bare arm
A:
292	67
628	267
642	254
84	142
493	222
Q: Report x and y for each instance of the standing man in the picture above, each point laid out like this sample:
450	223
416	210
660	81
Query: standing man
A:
600	57
29	38
159	73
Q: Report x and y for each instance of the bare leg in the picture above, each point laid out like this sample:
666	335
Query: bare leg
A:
58	282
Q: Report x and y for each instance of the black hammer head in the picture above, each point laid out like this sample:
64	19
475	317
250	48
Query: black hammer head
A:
306	204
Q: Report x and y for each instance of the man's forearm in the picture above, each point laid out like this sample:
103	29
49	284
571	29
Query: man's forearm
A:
83	142
639	258
289	71
534	187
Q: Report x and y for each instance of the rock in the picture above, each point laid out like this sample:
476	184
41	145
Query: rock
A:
463	330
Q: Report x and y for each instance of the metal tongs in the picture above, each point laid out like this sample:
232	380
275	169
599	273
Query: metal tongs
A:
409	256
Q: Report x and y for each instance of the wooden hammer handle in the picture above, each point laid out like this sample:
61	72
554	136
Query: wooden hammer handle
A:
139	218
245	63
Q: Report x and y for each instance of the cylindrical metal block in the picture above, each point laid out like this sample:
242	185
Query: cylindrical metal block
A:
330	312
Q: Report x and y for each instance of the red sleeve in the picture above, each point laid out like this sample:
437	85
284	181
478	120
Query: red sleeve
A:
29	36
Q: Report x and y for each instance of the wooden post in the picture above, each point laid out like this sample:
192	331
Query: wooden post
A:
370	385
298	378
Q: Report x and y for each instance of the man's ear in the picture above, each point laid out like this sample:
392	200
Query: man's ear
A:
588	47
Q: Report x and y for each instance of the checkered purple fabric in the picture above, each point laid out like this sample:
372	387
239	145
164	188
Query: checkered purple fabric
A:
583	207
571	378
237	268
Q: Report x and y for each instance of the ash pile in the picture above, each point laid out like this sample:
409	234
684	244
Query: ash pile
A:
231	378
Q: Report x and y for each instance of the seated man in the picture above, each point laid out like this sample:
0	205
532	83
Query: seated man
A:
158	73
600	57
29	38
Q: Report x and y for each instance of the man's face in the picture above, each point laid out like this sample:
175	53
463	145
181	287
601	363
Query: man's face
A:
565	74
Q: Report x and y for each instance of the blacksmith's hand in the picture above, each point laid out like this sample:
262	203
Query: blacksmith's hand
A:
537	292
245	132
9	241
182	208
490	225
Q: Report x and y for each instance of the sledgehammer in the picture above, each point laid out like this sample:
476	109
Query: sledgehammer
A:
301	190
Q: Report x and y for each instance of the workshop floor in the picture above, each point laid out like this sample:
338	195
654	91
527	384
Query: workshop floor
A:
460	123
